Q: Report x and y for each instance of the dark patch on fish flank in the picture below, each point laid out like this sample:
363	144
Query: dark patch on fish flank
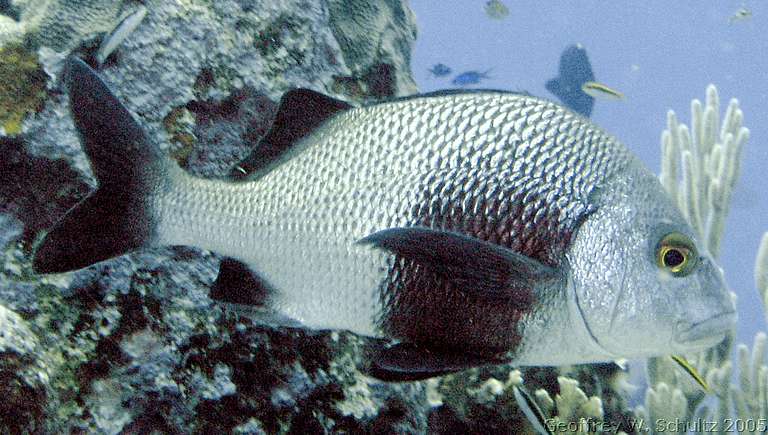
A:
421	307
505	218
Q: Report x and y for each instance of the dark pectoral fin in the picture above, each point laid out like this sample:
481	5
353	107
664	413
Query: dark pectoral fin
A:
404	362
487	269
238	284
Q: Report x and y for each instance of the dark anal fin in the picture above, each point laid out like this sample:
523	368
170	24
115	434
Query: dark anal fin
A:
238	284
114	219
486	269
241	291
404	362
300	111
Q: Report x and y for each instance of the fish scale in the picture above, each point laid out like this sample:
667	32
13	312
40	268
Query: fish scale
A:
347	162
466	228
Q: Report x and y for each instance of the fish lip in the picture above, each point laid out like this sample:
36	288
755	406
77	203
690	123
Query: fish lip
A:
709	331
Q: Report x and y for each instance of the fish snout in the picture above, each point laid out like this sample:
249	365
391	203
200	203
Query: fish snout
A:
705	333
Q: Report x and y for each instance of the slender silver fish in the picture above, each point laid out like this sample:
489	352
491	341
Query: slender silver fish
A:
461	228
123	30
531	410
599	90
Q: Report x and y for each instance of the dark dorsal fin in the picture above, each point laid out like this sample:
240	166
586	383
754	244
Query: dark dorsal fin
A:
300	112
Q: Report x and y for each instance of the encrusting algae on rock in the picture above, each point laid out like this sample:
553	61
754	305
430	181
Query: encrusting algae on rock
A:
22	86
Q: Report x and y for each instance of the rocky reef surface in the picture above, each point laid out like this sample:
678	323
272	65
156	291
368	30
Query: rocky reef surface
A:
136	344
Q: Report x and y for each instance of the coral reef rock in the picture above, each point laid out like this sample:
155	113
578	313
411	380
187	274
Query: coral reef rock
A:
136	344
59	24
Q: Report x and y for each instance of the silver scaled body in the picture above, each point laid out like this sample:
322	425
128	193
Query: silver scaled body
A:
510	169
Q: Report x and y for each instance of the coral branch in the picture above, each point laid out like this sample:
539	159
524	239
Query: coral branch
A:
708	156
761	270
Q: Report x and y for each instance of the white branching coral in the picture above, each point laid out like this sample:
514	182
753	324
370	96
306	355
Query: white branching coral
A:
663	403
761	270
700	165
573	405
571	411
512	401
699	169
749	400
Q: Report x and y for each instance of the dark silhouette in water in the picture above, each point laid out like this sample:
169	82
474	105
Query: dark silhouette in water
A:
470	78
440	70
575	70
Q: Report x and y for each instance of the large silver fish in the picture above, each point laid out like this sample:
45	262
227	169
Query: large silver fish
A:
466	228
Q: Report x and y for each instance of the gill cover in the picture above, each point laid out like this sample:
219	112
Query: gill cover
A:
642	285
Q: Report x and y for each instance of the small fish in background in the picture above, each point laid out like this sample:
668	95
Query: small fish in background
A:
470	78
692	372
532	412
124	29
496	10
599	90
621	363
742	14
440	70
575	70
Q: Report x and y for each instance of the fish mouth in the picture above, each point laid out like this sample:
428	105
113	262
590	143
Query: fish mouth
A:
707	332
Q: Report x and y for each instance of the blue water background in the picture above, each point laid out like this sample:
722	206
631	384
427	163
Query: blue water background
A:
659	54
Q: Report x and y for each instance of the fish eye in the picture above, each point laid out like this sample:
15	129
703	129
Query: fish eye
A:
676	254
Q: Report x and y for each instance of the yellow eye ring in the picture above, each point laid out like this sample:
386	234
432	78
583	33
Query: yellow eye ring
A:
676	254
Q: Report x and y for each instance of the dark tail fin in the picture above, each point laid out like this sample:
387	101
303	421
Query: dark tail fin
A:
114	219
